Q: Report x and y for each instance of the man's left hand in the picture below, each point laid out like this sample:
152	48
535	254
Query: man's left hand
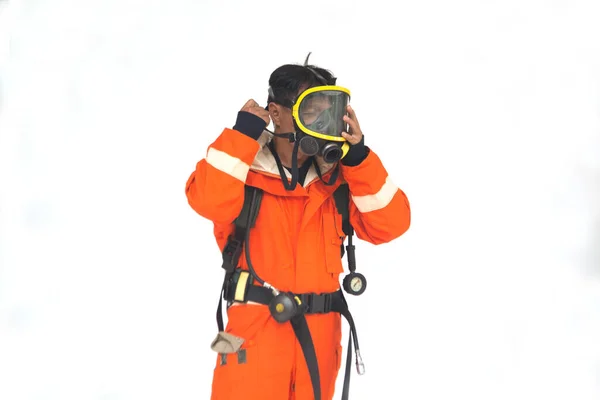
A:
355	135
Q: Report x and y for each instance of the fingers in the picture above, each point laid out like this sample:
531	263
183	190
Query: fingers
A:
249	104
352	139
355	134
253	107
261	112
352	124
351	113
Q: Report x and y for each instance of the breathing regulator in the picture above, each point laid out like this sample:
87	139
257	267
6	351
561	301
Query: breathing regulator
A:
284	306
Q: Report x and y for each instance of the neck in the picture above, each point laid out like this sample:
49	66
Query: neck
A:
284	150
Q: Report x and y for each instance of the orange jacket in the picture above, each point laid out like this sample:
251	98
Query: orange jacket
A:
295	244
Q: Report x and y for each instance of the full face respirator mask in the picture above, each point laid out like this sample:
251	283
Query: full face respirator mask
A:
319	120
318	115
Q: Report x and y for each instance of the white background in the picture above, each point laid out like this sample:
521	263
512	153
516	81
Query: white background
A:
487	114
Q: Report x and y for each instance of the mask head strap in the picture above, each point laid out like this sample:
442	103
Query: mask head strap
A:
319	77
289	103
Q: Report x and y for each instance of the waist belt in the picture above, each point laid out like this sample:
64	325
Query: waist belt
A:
242	291
313	303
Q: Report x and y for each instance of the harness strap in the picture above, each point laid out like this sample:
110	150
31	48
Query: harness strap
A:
235	243
313	304
342	202
302	332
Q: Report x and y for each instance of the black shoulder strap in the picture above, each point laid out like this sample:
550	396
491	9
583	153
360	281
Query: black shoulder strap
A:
342	202
244	221
235	242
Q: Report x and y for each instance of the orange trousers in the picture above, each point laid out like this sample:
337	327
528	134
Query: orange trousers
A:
274	367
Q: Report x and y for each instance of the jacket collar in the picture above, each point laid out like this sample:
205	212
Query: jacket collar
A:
265	163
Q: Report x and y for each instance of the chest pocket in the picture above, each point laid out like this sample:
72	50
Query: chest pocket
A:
333	236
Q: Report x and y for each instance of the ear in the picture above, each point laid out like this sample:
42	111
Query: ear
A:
275	113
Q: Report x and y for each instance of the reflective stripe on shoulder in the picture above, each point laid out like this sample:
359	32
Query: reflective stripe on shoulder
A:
230	165
378	200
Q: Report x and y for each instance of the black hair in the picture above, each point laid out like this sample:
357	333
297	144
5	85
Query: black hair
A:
286	81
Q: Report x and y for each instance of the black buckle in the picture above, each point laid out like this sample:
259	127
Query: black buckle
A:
231	284
231	253
228	287
317	303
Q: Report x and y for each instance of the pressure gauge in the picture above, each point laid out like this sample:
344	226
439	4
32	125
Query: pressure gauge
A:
355	283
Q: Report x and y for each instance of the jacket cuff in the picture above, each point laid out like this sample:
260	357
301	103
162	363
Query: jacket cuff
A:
249	124
366	178
356	154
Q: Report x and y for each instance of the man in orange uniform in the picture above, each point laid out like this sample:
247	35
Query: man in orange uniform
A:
294	245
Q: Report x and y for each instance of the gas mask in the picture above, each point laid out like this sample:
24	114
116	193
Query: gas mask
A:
318	115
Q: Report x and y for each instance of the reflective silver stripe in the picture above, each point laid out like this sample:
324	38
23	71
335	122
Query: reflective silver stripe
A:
230	165
378	200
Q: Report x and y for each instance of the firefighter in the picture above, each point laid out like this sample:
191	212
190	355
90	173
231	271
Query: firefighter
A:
284	301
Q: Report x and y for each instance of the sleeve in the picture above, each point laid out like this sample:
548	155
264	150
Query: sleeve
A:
379	210
215	189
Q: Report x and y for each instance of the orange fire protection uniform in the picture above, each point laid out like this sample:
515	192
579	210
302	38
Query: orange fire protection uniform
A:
295	246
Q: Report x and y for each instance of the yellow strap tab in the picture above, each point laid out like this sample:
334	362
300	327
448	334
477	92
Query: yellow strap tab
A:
240	289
